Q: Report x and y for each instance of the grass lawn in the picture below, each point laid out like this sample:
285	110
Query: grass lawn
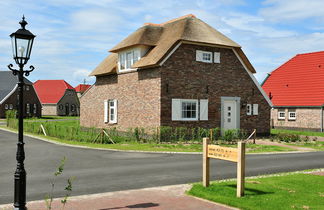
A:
304	133
318	145
251	148
74	122
294	191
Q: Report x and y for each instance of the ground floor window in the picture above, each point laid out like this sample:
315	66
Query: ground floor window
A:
281	114
189	109
110	111
6	106
27	108
291	115
35	108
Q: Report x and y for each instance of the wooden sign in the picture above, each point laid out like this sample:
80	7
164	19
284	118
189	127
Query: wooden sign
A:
225	153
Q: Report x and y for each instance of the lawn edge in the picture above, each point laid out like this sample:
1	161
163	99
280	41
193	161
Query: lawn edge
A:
137	151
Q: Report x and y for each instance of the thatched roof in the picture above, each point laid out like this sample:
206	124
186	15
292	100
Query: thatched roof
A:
162	37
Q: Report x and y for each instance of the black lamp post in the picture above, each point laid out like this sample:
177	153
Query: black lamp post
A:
22	42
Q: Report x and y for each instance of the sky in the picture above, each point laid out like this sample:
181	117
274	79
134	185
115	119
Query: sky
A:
73	37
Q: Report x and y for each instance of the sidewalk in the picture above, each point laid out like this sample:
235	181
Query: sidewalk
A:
164	198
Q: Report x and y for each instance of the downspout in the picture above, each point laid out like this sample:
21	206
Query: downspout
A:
322	118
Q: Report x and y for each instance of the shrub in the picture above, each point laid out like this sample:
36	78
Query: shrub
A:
287	137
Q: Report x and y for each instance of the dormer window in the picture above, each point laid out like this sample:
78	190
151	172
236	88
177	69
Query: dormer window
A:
127	59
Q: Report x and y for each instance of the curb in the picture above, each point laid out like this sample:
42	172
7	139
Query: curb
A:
141	151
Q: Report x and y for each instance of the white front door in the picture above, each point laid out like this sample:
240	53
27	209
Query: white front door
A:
230	114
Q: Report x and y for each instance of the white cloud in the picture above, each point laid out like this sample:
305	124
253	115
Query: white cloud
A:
292	10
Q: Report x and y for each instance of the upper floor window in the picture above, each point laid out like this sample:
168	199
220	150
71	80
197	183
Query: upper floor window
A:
204	56
127	59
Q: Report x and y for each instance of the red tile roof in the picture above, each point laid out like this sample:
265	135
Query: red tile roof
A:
51	91
298	82
82	88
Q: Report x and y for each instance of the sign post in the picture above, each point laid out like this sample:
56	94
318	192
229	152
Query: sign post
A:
225	153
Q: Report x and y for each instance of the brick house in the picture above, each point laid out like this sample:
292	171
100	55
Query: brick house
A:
57	97
9	93
81	88
296	90
179	73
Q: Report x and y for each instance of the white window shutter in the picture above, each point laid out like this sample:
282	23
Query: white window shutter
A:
176	109
199	55
248	109
203	109
216	57
255	109
105	111
116	112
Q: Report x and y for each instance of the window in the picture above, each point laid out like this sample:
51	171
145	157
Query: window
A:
281	114
127	59
61	106
10	106
110	111
204	56
27	87
189	109
72	108
27	108
291	114
6	106
35	108
249	109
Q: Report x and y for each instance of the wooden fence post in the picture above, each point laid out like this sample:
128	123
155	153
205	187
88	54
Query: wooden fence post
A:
240	169
254	136
206	141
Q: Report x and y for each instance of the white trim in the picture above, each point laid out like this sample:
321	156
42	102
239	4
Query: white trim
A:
190	101
200	56
115	111
170	53
9	94
254	80
281	118
217	57
105	111
292	118
255	109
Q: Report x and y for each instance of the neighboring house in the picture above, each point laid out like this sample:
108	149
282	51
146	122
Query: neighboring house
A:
57	98
8	96
179	73
81	88
297	92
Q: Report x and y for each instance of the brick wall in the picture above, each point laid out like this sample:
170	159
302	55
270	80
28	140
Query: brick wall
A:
183	77
49	109
306	119
144	97
138	95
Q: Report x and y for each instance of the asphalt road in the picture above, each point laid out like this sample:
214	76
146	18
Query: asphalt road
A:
99	171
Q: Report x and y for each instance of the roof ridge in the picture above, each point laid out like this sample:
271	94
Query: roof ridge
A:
170	21
311	53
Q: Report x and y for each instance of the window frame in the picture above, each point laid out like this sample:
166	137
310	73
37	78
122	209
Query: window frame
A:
281	118
292	118
196	101
35	108
27	108
249	109
123	59
6	106
10	107
110	108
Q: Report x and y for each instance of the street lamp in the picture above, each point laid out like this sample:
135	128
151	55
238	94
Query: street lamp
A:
22	42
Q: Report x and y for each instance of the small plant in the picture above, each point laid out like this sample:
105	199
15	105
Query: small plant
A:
315	138
68	187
